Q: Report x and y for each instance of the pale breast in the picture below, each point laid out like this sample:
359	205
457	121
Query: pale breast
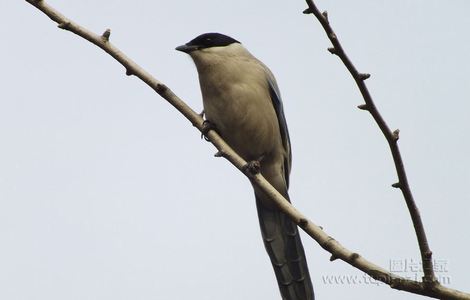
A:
237	100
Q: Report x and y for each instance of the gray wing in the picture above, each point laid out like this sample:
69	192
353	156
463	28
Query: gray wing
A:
277	104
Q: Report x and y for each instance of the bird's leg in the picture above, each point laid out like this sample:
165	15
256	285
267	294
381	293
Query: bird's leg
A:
206	127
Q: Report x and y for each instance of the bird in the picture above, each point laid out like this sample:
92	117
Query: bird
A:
242	102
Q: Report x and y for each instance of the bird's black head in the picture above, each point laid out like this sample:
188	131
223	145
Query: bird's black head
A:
207	40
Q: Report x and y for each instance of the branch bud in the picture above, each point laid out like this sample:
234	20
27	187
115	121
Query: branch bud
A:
363	76
354	256
106	34
307	11
428	254
332	50
363	106
219	154
396	134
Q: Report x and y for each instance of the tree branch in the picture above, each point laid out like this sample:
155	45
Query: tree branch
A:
326	241
392	139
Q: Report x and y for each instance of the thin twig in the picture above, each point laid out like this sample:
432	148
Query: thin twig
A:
392	139
326	241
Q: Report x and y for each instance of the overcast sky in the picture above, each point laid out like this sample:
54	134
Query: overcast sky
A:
106	192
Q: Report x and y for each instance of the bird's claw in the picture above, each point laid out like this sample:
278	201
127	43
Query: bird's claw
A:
252	167
206	127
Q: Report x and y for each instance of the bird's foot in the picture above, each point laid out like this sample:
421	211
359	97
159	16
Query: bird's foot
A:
206	127
252	168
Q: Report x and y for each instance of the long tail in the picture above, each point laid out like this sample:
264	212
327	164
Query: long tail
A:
282	242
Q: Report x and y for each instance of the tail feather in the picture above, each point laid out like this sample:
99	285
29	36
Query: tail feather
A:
282	242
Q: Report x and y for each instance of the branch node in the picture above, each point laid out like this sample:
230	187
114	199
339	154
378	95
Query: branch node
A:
363	106
396	135
129	72
64	25
333	257
332	36
307	11
332	50
396	185
303	223
161	88
354	256
106	34
363	76
428	254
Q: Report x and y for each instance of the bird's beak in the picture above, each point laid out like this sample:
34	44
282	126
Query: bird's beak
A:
187	48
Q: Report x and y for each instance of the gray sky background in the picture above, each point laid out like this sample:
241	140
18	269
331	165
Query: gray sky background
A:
106	192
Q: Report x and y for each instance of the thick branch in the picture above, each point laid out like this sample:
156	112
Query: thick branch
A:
392	139
326	241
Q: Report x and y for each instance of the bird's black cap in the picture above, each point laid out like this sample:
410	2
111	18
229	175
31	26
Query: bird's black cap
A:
207	40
